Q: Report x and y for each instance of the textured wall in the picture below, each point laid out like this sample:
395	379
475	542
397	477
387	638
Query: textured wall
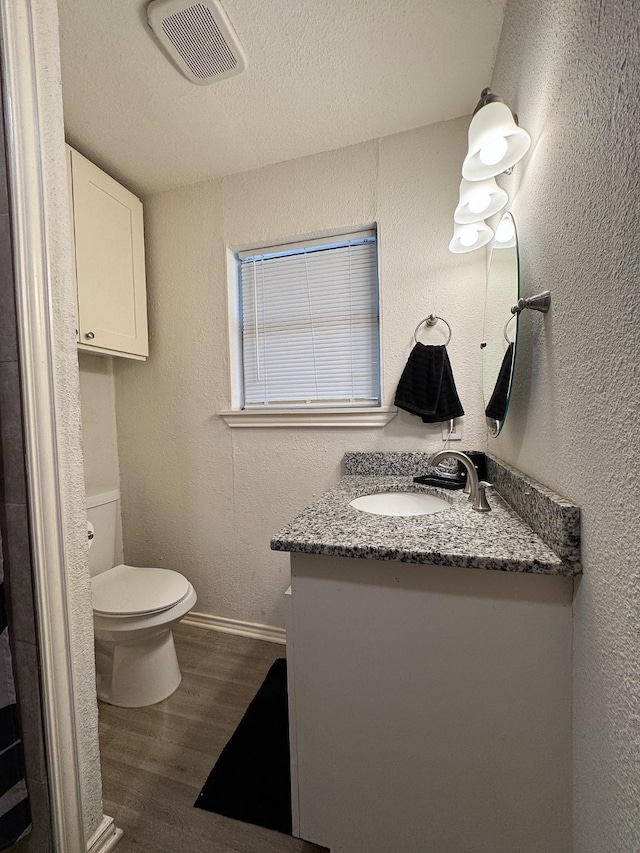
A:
99	436
570	69
68	406
206	499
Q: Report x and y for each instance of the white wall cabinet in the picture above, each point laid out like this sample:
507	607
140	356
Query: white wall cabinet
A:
108	239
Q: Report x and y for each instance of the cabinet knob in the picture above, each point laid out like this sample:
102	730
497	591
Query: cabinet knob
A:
90	336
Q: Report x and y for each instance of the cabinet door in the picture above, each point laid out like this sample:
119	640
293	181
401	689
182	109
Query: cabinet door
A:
109	243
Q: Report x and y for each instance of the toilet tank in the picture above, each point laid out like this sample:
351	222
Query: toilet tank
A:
103	511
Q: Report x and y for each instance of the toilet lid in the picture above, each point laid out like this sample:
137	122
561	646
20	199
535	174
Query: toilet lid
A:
131	591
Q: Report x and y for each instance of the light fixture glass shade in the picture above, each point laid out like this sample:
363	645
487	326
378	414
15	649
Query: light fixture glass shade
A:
505	233
496	142
466	238
479	200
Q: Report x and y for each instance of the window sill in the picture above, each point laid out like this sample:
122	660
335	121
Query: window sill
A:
374	417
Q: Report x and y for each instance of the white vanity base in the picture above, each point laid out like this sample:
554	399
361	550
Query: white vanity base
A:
430	708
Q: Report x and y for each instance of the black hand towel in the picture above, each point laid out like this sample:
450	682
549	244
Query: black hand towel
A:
497	405
427	387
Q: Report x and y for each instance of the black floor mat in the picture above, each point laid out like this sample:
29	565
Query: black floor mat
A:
251	781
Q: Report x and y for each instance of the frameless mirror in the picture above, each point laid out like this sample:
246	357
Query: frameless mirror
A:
500	325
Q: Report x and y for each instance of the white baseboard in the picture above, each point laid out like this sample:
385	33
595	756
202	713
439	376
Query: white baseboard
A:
105	838
235	626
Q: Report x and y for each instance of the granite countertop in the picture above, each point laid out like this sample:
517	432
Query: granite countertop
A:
498	540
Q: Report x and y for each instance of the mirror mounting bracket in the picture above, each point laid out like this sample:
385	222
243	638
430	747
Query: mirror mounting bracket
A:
539	302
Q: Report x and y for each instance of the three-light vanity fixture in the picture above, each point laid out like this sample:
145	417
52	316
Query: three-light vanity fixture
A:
496	144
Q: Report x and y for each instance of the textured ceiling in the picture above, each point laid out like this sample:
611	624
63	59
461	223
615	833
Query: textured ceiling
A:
321	74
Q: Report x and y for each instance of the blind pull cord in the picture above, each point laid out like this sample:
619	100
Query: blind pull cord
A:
255	312
313	338
353	391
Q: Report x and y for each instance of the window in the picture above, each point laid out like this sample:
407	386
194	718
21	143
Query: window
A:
310	324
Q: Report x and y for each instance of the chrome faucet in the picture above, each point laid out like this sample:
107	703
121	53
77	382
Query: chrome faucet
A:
476	489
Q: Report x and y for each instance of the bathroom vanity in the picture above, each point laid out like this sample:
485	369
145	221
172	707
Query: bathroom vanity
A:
429	662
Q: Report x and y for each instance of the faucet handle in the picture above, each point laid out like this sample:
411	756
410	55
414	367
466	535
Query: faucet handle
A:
481	504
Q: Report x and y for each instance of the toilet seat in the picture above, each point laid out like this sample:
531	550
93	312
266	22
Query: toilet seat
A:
126	591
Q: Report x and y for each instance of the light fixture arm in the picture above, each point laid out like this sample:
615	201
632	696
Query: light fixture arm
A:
539	302
487	97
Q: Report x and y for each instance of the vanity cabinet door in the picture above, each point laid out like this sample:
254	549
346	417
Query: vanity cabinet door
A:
430	707
110	270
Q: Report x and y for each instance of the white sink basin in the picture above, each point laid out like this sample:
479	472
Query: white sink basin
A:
400	503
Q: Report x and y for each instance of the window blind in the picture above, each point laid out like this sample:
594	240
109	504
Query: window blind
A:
310	324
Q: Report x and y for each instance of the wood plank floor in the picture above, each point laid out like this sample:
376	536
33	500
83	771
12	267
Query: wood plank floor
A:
155	760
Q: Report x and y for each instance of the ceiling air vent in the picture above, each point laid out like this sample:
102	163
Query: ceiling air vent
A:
198	37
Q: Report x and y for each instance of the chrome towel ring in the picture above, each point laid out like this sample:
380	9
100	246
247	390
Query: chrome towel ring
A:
506	326
431	320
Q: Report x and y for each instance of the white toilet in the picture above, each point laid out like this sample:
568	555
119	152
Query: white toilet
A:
134	611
